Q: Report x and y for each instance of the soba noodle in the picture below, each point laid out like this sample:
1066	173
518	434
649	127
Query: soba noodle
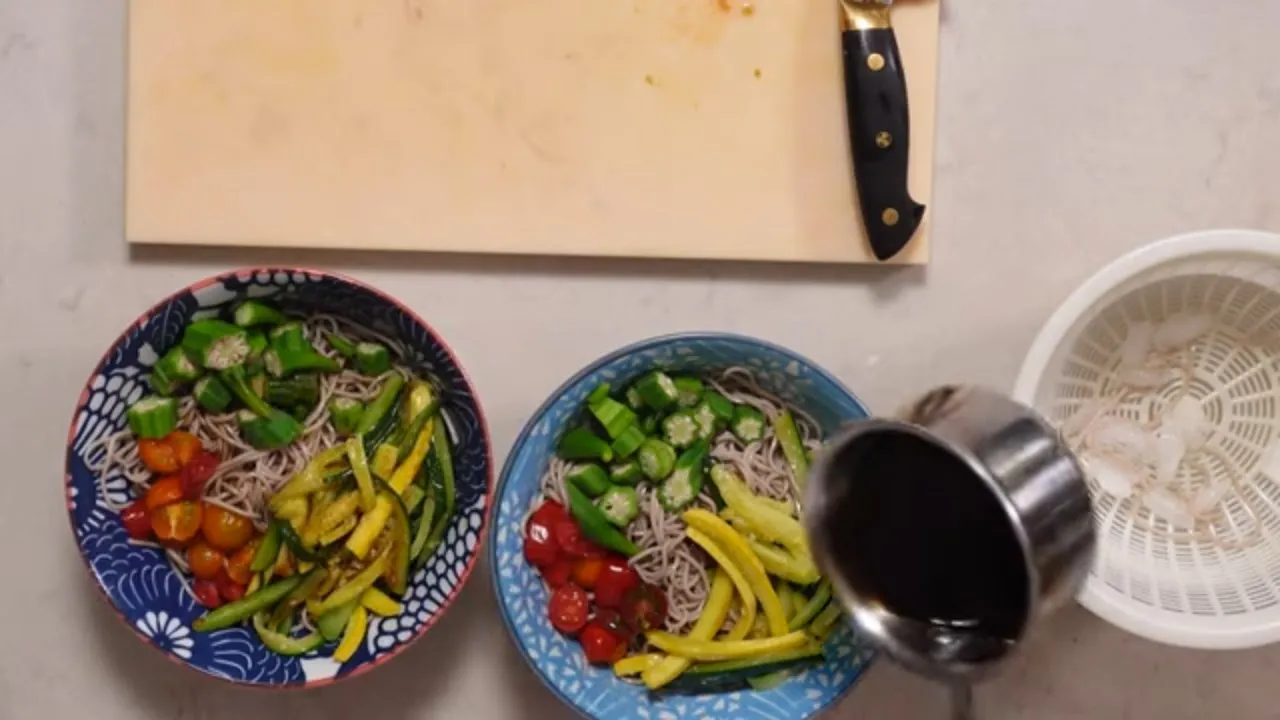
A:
667	558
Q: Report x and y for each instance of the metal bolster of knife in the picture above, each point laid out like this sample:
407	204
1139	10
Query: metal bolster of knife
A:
863	15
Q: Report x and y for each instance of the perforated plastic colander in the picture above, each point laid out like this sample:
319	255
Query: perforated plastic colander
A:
1215	584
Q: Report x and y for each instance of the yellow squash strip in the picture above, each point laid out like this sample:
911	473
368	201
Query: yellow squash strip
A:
360	468
799	569
339	532
714	612
371	523
709	650
768	524
352	636
384	460
746	621
326	517
403	477
637	664
310	479
740	553
379	603
735	574
294	511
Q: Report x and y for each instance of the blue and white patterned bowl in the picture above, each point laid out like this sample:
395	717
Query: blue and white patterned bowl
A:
596	692
144	589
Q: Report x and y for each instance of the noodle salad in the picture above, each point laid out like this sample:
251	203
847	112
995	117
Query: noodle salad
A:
294	470
667	529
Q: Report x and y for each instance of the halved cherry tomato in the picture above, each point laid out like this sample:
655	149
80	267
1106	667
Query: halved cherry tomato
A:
540	547
601	646
158	455
587	571
558	573
569	608
238	564
571	542
205	561
176	523
196	472
185	446
613	622
615	581
226	530
644	607
548	514
206	591
228	589
136	520
164	491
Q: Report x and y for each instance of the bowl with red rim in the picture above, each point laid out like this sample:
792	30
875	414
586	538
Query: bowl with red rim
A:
144	588
525	601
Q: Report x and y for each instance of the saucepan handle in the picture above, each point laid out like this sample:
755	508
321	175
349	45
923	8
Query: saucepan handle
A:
962	702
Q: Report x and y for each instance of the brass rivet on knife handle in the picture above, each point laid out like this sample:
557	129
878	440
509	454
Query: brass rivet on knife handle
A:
883	140
875	61
889	217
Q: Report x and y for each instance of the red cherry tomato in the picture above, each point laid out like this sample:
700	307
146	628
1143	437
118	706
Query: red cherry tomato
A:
229	590
196	472
226	530
185	446
540	547
206	591
612	621
644	607
571	542
176	523
617	578
558	573
569	608
601	646
587	571
205	561
136	520
548	514
164	491
158	455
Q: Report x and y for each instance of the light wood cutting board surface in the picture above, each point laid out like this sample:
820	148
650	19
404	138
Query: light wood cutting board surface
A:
645	128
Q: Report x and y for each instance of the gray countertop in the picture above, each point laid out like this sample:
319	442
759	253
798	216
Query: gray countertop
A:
1068	134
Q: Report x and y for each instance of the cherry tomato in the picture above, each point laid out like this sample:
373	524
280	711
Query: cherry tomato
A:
601	646
558	573
569	608
548	514
196	472
617	578
540	547
587	571
185	446
238	564
205	561
571	542
136	520
612	621
644	607
206	591
176	523
158	455
228	589
226	530
164	491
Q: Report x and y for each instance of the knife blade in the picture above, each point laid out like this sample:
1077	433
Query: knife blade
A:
879	126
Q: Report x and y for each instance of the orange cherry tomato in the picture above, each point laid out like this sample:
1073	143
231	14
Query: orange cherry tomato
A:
185	446
176	523
238	564
205	561
586	572
165	491
226	530
158	455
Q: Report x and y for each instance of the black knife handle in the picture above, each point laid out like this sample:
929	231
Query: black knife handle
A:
879	135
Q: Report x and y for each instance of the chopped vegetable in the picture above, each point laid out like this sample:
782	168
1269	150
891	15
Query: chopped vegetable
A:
268	433
658	390
332	623
812	607
399	557
586	571
381	405
594	525
657	459
268	549
721	406
257	345
748	424
211	394
714	612
582	444
601	645
706	420
225	530
636	664
215	344
343	346
440	474
284	361
408	470
620	505
768	523
826	621
644	607
613	416
625	473
205	561
153	416
705	650
352	636
137	520
634	401
754	673
345	414
161	382
784	427
311	582
540	547
237	381
628	442
413	497
372	359
600	392
360	467
649	423
616	579
378	603
680	429
239	611
568	609
717	538
176	365
252	313
685	482
176	523
159	456
301	389
164	491
283	644
356	586
589	478
689	391
370	526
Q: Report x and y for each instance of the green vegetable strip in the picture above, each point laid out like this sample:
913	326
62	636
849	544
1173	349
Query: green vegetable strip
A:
789	438
423	531
276	431
211	394
444	487
748	424
657	390
634	401
177	365
620	505
595	526
589	478
237	381
360	467
311	581
826	621
372	359
264	558
628	442
153	416
290	336
240	610
162	382
381	405
649	423
810	609
413	497
689	391
414	429
657	459
614	416
345	414
215	344
301	389
720	405
600	393
625	473
257	345
251	313
582	444
332	623
341	345
286	361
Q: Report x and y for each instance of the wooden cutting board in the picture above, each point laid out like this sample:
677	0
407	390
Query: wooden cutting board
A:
643	128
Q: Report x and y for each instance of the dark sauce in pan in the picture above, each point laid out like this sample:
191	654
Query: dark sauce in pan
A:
918	531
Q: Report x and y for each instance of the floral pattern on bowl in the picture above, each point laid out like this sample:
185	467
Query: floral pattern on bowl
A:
145	590
522	597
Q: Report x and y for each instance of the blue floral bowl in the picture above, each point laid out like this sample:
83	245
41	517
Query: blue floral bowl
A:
141	585
596	692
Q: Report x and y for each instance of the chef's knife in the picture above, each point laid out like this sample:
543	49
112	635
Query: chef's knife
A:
879	131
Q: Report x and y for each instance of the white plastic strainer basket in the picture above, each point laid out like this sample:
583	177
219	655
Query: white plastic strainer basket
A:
1215	584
